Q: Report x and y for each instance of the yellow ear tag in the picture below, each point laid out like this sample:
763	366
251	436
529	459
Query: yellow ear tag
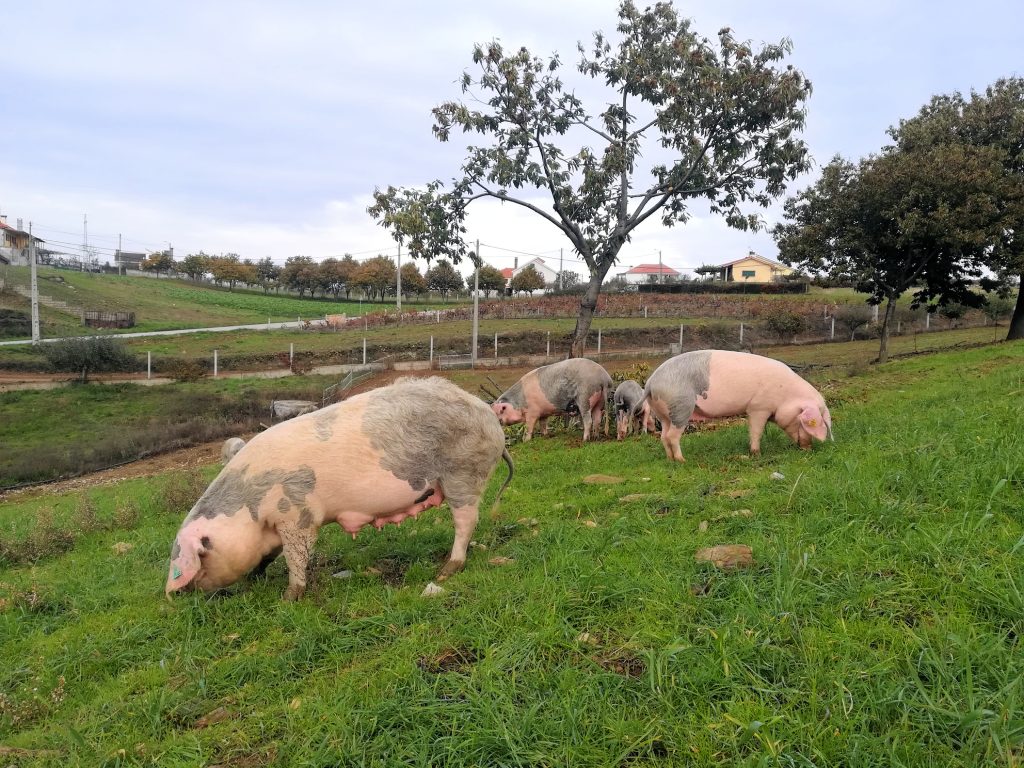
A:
812	423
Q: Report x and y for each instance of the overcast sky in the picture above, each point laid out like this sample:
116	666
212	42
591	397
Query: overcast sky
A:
263	128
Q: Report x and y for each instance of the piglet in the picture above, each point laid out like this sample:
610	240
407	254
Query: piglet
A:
631	408
712	383
373	459
575	385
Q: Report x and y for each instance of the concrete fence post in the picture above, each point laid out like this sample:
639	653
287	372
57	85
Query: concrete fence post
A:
599	341
927	320
495	346
215	363
680	337
291	356
741	333
833	336
149	365
431	351
364	350
548	353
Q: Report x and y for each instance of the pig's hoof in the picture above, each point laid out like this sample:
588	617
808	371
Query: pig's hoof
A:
450	569
293	593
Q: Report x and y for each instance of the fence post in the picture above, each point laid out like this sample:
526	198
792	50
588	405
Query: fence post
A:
215	363
268	323
899	327
437	315
741	334
927	320
645	311
495	346
548	354
599	341
874	314
364	350
833	336
431	352
680	337
291	356
149	365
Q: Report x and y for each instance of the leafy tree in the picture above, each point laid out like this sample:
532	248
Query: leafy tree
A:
158	261
903	219
229	269
718	122
996	307
852	317
347	269
567	281
195	265
332	276
89	354
267	273
993	120
527	280
413	281
300	274
708	271
376	276
491	279
783	323
442	278
953	311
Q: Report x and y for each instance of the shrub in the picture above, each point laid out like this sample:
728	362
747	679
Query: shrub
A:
89	354
183	371
783	323
853	317
996	308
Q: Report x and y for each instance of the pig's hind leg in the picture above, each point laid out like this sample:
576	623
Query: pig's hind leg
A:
465	518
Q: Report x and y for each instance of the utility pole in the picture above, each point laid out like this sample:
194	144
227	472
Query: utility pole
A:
476	304
35	285
398	290
661	271
120	258
85	239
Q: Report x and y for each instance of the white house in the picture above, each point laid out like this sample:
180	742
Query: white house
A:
550	275
649	273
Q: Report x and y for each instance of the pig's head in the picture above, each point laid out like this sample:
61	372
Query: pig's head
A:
197	563
815	421
507	413
622	417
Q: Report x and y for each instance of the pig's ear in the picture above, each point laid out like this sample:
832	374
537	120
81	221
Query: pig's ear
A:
813	422
185	561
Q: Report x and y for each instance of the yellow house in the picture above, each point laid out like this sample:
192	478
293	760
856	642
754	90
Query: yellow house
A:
753	268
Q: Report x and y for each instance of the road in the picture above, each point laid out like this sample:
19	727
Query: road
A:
268	326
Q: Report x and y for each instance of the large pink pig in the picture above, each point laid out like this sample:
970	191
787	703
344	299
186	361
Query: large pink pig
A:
374	459
576	385
712	383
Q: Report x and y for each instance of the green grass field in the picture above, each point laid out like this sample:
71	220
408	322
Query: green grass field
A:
879	623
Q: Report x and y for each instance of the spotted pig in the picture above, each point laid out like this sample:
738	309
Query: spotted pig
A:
374	459
576	385
631	409
712	383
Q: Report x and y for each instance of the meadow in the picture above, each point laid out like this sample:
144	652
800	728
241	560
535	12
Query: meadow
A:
878	624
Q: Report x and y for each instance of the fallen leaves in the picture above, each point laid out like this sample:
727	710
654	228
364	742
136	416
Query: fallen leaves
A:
219	715
602	480
501	561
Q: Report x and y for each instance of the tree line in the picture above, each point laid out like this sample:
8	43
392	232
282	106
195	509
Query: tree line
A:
374	278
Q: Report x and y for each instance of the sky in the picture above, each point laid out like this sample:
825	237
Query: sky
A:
263	128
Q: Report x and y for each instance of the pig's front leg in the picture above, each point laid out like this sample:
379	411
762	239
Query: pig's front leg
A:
465	519
756	423
531	421
544	425
297	543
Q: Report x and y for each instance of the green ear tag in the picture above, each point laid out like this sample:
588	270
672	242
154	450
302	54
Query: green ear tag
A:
176	572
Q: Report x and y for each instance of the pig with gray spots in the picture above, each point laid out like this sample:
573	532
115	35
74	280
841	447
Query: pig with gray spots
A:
374	459
576	385
631	409
713	383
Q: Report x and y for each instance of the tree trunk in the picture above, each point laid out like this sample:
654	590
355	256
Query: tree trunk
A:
883	348
588	306
1017	321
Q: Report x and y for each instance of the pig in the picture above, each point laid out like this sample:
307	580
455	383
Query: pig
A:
373	459
574	385
230	447
713	383
631	407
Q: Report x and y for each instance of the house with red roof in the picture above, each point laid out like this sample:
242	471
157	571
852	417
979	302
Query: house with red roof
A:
14	243
650	273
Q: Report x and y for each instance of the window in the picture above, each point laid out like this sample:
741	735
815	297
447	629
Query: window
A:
749	273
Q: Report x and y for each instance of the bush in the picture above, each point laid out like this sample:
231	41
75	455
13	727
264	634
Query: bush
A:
89	354
183	370
996	308
783	323
852	317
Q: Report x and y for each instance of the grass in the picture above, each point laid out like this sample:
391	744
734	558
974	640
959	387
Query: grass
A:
879	624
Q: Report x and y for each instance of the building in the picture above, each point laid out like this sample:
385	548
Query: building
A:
125	260
752	268
650	273
550	275
14	244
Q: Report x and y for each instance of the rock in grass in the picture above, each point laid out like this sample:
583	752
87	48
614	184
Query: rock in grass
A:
637	497
778	476
342	575
602	479
726	556
501	561
431	590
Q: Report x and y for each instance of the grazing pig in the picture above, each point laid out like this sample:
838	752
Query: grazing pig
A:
630	408
374	459
712	383
574	385
230	447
